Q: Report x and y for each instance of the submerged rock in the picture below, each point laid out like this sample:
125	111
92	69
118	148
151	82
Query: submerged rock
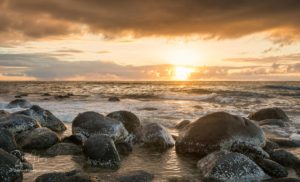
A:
39	138
229	166
269	113
7	140
92	123
114	99
101	152
182	124
156	136
72	176
285	158
135	176
19	103
10	167
272	168
218	131
64	149
16	123
45	118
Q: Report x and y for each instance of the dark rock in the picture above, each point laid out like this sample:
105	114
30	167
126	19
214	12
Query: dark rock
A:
124	148
7	140
16	123
188	179
72	176
251	151
19	103
64	149
45	118
270	146
46	94
156	136
284	142
269	113
92	123
60	97
148	109
218	131
275	122
285	180
136	176
4	113
272	168
10	167
182	124
101	152
39	138
285	158
77	139
114	99
21	95
229	166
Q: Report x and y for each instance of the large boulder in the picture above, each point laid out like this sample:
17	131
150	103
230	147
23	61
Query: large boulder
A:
131	122
217	131
22	103
272	168
269	113
71	176
101	151
64	149
7	140
156	136
285	158
10	167
45	118
39	138
229	166
182	124
92	123
16	123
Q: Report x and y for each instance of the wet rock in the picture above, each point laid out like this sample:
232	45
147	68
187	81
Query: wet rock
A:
114	99
182	124
39	138
269	113
77	139
157	137
188	179
270	146
136	176
45	118
7	140
101	152
272	168
64	149
285	180
275	122
10	167
285	158
251	151
46	94
72	176
148	109
124	148
131	122
4	113
16	123
217	131
92	123
229	166
284	142
19	103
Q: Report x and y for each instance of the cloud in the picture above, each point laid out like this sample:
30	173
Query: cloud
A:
206	18
47	67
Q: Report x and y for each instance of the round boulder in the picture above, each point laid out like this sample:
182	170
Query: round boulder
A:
269	113
285	158
217	131
101	151
64	149
45	118
39	138
16	123
229	166
274	122
7	140
19	103
10	167
182	124
92	123
156	136
272	168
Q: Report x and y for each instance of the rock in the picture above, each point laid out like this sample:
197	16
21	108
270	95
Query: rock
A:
114	99
251	151
276	122
77	139
10	167
156	136
182	124
4	113
101	152
46	94
272	168
92	123
124	148
269	113
147	109
45	118
229	166
72	176
131	122
64	149
136	176
16	123
218	131
39	138
284	158
19	103
284	142
285	180
187	179
270	146
21	95
7	140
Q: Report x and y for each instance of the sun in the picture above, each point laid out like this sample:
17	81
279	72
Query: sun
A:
182	73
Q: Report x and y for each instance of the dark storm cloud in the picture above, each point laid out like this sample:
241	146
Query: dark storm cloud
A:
209	18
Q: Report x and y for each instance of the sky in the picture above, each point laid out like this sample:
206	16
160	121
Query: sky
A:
95	40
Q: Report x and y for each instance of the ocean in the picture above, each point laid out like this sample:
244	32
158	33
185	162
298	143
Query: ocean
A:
166	103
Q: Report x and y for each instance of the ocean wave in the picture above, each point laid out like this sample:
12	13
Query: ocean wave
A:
188	97
282	87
